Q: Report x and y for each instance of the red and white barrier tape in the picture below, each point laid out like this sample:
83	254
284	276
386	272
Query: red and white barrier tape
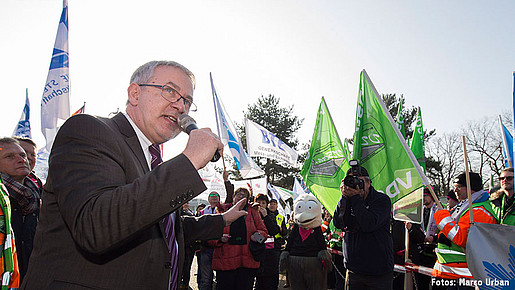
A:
408	267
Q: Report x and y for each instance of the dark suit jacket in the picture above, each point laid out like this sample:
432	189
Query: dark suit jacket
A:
101	211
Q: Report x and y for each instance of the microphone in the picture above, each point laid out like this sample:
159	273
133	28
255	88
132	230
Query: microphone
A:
188	124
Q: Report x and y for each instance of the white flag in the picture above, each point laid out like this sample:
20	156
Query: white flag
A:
55	104
258	185
282	205
298	189
227	133
263	143
213	181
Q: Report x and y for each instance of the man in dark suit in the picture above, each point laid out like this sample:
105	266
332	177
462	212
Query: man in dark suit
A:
101	219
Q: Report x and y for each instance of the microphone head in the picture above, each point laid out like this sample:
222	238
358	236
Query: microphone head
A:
185	121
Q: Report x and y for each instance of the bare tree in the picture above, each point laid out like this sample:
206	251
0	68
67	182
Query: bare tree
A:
447	152
484	145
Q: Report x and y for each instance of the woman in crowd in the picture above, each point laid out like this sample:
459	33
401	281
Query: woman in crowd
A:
232	260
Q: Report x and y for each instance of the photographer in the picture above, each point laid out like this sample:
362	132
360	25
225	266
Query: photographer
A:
364	214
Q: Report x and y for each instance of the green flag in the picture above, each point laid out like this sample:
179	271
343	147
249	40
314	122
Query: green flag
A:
417	145
327	161
400	121
381	149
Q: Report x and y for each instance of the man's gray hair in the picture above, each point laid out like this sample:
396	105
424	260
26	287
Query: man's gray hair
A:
146	71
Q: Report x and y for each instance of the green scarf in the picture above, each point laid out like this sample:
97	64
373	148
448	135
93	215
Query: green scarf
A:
7	244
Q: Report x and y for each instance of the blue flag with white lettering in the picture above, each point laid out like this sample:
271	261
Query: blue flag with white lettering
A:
23	126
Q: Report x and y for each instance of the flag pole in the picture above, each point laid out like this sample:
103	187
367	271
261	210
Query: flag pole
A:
469	194
408	276
419	169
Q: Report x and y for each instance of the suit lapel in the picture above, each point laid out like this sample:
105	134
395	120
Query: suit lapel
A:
131	139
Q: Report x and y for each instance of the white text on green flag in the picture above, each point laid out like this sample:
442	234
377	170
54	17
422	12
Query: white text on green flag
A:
417	145
326	163
381	149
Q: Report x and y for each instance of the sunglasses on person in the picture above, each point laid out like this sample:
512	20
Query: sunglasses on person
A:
507	178
213	194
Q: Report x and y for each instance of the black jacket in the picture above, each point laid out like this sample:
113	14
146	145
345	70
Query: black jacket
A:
24	227
367	246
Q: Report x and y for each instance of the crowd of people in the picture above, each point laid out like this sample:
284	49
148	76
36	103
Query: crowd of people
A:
113	215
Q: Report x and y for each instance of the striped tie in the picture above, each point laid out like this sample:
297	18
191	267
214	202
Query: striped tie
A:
155	152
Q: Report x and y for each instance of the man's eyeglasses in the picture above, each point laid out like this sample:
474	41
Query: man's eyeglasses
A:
507	178
213	194
172	95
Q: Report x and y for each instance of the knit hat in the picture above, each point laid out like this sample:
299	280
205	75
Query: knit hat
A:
476	183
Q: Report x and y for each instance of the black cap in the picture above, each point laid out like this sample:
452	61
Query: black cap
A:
476	183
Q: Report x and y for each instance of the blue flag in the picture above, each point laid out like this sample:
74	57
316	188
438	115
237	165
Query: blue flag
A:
55	103
507	145
227	133
23	127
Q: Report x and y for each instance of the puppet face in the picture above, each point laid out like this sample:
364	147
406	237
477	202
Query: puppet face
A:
307	212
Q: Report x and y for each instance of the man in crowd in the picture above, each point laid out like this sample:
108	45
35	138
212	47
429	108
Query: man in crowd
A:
364	214
31	150
502	199
24	196
189	253
269	267
206	254
426	248
428	222
451	262
279	238
109	202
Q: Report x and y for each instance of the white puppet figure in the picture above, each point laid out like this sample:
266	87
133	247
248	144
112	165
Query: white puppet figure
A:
306	258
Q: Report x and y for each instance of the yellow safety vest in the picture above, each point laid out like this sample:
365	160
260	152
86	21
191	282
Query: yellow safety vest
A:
279	218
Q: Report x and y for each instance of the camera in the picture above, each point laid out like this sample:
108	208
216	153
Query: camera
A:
259	238
352	179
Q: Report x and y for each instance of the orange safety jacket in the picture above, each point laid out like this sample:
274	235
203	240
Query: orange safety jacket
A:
452	263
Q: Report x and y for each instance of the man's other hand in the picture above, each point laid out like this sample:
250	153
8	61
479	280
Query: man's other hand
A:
202	145
235	212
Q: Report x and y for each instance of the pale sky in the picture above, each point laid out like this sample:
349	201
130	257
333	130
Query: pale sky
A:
453	58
